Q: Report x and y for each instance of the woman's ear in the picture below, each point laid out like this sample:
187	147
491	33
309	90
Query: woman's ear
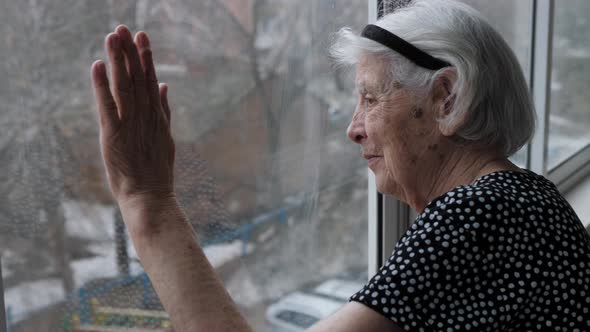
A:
444	102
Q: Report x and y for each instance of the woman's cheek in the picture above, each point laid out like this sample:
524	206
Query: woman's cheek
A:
375	126
401	149
393	153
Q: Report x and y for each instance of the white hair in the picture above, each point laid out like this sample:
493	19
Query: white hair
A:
490	85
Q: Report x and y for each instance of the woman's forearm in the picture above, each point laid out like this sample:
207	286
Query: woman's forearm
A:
183	278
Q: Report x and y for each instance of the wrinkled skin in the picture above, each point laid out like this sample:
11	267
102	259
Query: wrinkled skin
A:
414	157
389	123
135	138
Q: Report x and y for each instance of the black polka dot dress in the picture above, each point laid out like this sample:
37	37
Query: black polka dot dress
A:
506	253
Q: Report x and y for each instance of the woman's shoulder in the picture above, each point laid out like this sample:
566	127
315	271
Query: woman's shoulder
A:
506	191
506	201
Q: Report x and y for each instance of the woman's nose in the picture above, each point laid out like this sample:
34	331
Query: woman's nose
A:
356	128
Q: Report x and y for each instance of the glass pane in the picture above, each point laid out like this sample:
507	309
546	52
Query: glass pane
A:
264	168
569	117
512	19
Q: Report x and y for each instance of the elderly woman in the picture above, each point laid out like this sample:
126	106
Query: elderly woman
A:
442	104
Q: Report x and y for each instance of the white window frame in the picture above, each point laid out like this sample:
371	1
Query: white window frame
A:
576	167
540	83
3	325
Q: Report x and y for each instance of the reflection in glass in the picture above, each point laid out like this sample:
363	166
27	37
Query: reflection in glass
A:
569	117
263	170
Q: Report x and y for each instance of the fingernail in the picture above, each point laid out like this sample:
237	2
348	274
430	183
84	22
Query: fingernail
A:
122	28
100	68
145	42
114	41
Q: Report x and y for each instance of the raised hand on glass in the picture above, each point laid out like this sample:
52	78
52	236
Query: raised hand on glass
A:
135	138
138	152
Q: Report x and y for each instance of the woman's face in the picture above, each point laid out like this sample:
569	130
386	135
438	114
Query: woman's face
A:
398	135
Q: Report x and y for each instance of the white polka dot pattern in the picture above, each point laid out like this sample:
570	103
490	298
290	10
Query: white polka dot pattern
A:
507	253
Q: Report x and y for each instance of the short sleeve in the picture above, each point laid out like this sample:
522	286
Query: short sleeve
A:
442	275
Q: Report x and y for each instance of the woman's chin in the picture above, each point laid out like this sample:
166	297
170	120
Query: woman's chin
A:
384	184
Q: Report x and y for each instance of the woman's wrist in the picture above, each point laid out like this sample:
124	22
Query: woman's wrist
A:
151	200
148	214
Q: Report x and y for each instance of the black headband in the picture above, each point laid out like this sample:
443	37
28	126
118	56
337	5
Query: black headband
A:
404	48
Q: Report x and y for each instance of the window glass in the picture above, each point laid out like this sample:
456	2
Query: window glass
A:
570	81
263	169
512	19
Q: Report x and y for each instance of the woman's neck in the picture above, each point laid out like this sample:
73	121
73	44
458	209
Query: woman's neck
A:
459	169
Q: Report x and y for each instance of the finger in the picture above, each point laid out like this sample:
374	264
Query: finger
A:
130	49
107	108
123	89
164	98
145	56
135	70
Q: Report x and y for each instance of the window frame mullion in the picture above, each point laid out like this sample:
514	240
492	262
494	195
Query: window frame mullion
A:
374	211
3	322
541	64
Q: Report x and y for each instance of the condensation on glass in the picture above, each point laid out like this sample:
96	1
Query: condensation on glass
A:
263	169
569	117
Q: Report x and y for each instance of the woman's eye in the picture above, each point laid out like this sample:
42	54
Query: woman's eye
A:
367	99
370	101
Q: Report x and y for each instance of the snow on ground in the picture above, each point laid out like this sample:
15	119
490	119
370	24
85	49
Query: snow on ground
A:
220	254
7	256
95	223
245	291
89	221
103	265
32	296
